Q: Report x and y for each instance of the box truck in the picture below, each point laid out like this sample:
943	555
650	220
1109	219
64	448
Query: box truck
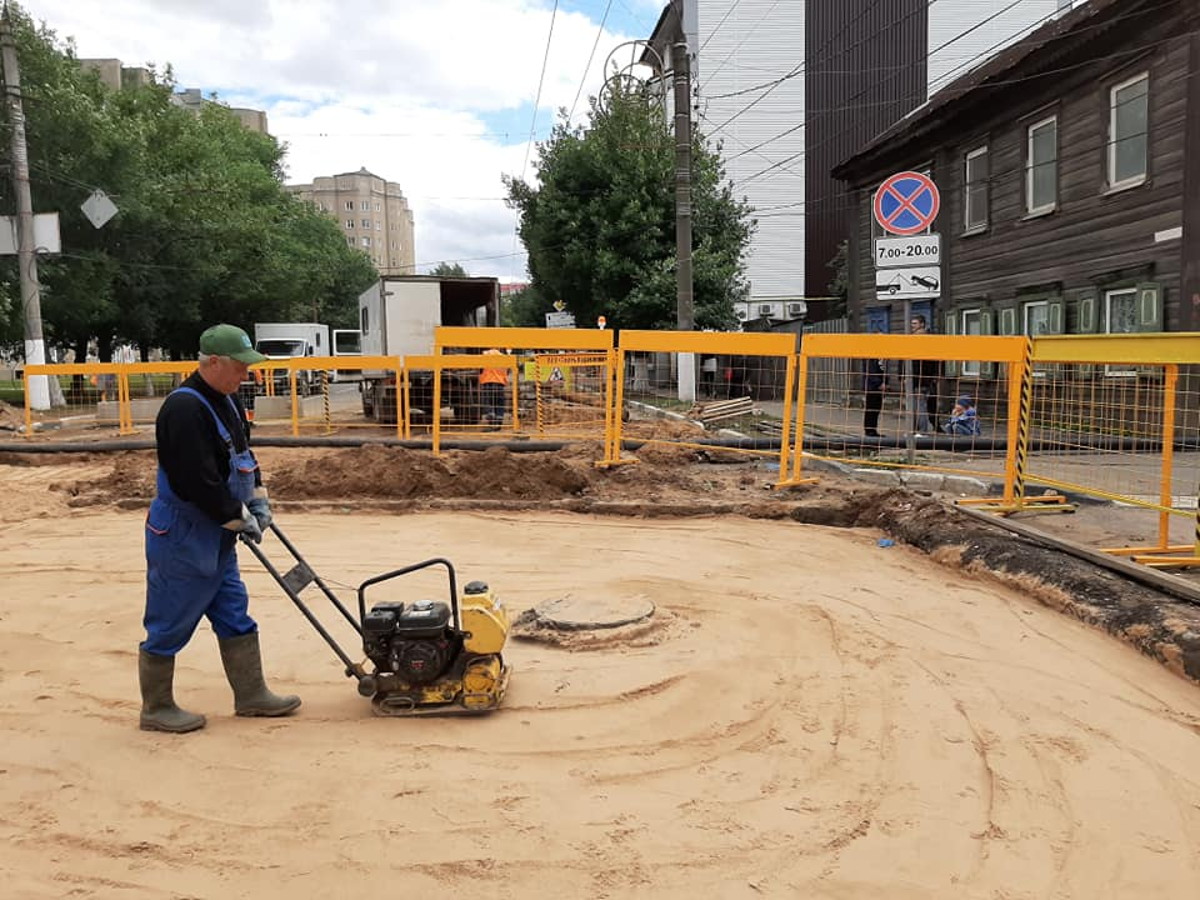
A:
397	317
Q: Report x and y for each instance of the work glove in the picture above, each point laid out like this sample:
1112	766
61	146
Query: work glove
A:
260	509
247	526
250	530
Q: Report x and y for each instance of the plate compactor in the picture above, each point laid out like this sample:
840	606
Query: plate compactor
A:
425	657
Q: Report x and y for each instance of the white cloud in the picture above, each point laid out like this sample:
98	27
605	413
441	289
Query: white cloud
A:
411	89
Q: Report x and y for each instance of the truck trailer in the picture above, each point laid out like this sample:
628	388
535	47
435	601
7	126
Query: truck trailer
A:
397	317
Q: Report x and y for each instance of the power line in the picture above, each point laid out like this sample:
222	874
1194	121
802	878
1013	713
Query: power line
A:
990	84
804	63
802	67
588	64
538	96
717	27
925	93
745	149
1088	149
731	53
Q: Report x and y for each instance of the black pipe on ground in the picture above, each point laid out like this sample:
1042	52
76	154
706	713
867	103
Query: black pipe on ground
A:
940	442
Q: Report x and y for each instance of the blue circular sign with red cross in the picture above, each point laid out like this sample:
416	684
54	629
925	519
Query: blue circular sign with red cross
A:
907	203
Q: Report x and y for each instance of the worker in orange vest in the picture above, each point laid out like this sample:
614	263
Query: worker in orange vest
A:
493	384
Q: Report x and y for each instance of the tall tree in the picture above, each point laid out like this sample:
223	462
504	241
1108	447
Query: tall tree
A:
599	222
525	308
449	270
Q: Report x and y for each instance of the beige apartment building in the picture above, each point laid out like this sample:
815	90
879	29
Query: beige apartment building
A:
373	213
117	76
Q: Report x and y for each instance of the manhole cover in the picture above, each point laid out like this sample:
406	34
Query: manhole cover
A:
572	613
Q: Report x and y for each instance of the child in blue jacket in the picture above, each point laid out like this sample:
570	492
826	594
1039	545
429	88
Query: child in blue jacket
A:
964	420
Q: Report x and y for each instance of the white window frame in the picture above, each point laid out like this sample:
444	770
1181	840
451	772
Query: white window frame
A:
378	206
365	205
970	227
1028	307
349	206
366	241
971	368
1134	180
349	223
1039	371
1030	209
1118	371
366	223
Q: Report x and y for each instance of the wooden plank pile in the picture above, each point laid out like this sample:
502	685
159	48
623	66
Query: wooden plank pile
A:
720	410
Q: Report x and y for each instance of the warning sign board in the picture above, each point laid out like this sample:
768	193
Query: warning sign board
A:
572	359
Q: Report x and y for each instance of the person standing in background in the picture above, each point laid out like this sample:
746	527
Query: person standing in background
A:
874	387
926	373
493	384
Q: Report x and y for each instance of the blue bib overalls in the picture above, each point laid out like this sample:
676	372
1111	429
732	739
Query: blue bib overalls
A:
191	564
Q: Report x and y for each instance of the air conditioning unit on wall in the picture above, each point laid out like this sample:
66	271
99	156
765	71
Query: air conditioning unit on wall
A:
764	309
741	314
797	309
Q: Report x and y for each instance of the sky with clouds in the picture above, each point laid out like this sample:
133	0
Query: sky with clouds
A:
436	96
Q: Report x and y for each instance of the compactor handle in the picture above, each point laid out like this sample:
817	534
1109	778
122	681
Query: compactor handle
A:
407	570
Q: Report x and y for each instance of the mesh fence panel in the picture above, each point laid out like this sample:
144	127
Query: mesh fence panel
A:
911	402
559	380
1100	430
732	391
566	395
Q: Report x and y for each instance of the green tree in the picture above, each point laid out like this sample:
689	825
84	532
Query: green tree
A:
449	270
599	224
525	308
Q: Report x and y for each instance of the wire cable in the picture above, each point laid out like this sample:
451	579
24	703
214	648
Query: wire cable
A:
538	96
588	64
717	27
966	88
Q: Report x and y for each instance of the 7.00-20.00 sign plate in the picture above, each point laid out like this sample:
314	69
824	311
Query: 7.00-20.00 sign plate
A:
903	252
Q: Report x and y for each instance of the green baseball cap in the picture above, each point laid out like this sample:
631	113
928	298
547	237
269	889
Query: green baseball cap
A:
231	341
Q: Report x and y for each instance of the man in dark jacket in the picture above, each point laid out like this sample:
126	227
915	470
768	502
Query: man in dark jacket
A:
926	373
209	490
874	386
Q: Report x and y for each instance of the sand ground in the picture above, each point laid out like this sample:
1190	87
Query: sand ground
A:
811	716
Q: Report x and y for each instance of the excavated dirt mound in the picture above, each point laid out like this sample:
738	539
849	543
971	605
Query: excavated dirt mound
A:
397	473
661	474
130	482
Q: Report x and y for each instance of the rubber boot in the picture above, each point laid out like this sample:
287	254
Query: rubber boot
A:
156	675
243	668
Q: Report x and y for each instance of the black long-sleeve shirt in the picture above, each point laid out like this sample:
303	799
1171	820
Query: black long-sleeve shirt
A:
191	452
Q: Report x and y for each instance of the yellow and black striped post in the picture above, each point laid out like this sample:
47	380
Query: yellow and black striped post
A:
325	399
540	416
1026	413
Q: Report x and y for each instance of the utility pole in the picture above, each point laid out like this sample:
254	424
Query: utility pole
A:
684	307
38	387
685	310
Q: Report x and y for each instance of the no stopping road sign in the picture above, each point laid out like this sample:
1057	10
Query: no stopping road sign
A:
907	203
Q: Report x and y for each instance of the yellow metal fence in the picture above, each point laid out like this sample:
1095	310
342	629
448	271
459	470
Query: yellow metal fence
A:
1111	416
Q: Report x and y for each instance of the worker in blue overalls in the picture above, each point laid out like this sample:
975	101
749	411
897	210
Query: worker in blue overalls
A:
210	491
